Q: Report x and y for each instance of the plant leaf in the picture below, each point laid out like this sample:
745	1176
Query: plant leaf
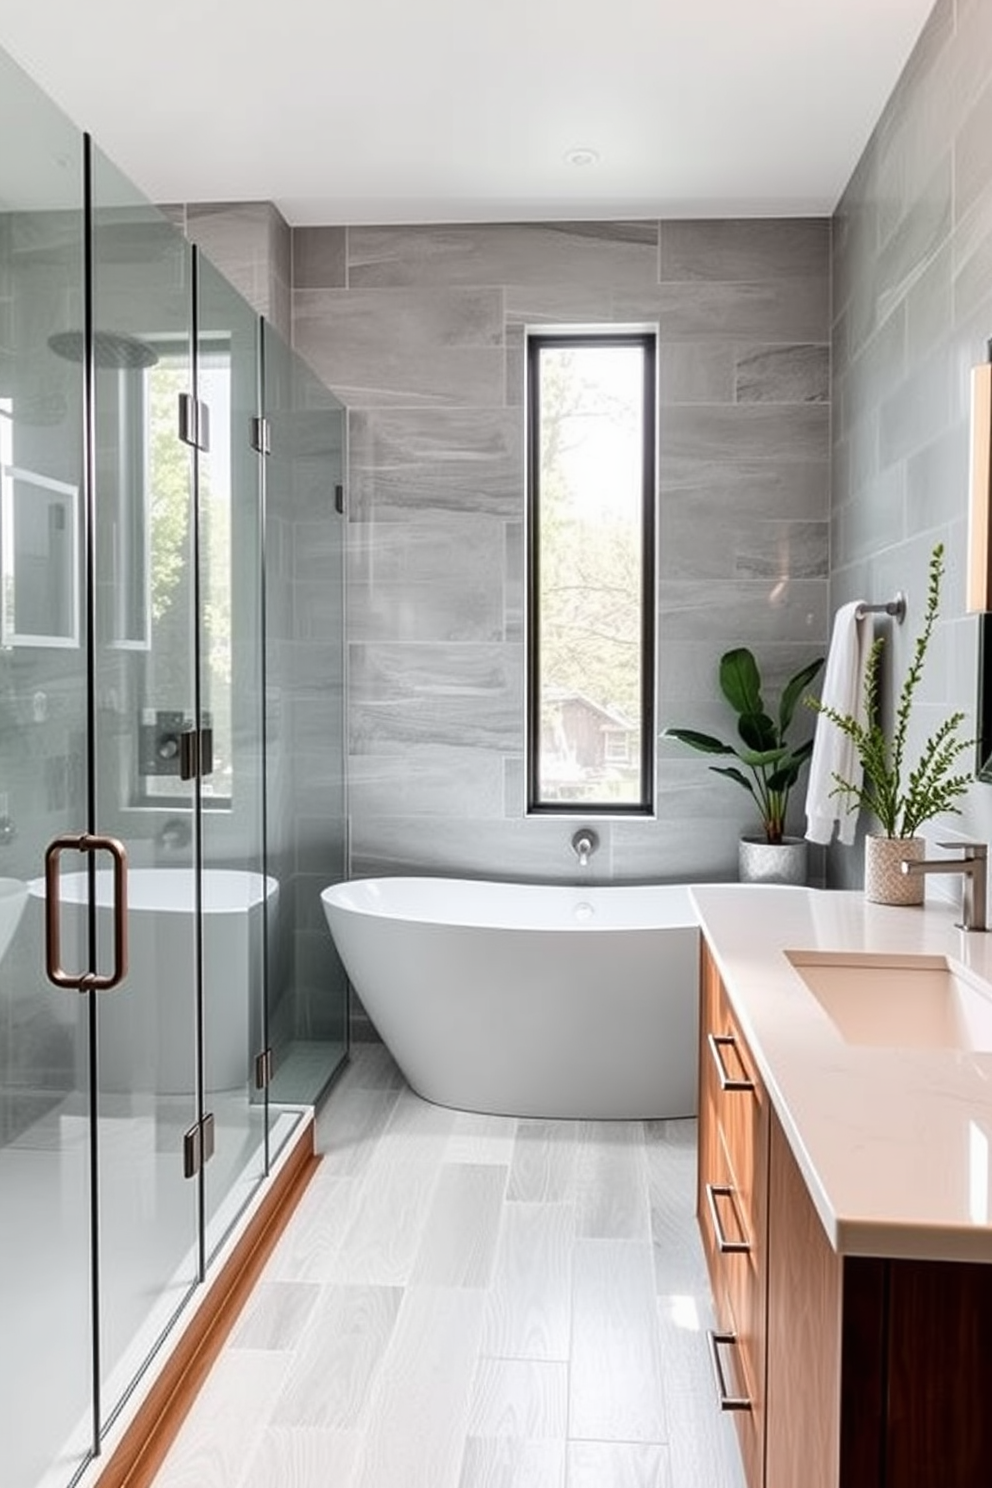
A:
755	758
740	681
705	743
793	691
734	774
758	731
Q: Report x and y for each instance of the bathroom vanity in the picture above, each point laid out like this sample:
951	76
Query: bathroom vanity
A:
845	1127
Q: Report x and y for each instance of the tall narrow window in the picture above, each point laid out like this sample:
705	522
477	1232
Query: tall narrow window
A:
591	458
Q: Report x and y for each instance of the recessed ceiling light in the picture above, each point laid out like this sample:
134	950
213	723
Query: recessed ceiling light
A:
582	156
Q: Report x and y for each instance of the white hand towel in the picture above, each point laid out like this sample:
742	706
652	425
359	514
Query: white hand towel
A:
833	752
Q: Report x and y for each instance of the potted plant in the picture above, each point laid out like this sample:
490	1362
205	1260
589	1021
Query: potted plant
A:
768	765
900	798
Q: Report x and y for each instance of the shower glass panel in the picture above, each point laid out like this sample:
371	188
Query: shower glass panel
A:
46	1412
145	700
235	888
305	694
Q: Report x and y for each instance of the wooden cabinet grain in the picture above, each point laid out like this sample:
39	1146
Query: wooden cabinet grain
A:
860	1372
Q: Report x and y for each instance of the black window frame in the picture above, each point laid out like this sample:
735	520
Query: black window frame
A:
536	341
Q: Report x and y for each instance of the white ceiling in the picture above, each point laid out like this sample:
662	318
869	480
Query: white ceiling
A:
448	110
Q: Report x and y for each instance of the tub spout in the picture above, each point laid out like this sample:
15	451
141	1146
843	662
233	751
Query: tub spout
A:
584	844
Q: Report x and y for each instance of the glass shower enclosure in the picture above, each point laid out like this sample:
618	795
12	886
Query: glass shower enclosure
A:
150	932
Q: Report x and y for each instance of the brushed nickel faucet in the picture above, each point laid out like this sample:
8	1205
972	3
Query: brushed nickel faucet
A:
973	867
584	844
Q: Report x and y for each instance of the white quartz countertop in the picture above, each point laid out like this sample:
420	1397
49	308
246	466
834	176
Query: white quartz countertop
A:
894	1141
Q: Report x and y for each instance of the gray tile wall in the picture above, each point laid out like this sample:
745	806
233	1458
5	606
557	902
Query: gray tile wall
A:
250	242
912	312
420	331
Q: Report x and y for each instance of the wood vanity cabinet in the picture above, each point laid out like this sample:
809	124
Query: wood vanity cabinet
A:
858	1372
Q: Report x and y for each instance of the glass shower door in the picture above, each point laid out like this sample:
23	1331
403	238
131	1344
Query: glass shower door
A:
46	1360
234	886
145	696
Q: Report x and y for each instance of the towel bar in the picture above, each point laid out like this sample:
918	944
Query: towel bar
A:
895	607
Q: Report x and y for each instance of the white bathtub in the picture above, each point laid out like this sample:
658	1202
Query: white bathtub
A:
147	1025
528	1000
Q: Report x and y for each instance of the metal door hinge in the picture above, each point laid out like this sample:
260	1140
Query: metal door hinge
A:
198	1145
194	422
260	435
263	1069
196	753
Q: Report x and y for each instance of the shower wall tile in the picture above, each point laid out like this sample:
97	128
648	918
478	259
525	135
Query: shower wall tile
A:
695	372
406	461
420	330
783	374
755	310
914	311
463	695
555	253
396	346
749	548
745	432
746	248
320	258
434	578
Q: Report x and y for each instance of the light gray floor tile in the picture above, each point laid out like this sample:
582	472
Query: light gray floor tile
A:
481	1139
383	1237
337	1362
308	1247
528	1309
350	1124
218	1438
702	1440
521	1398
543	1168
610	1184
298	1457
276	1314
618	1465
502	1462
616	1390
418	1414
459	1236
557	1360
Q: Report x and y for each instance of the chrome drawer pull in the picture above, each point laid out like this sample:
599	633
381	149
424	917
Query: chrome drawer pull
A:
728	1402
723	1244
727	1082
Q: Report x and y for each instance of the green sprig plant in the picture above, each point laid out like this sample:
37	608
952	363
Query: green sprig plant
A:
901	802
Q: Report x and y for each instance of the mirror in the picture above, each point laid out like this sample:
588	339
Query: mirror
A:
39	559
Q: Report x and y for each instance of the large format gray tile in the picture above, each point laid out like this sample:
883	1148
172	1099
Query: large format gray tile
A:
505	253
397	346
783	374
458	1240
792	310
418	1410
528	1310
320	258
616	1390
742	249
453	694
406	461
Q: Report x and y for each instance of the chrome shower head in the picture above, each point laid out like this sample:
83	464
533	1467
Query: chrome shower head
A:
110	349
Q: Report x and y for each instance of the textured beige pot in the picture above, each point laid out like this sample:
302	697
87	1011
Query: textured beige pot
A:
885	882
772	862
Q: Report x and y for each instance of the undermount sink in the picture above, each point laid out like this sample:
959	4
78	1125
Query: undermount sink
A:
906	1002
13	897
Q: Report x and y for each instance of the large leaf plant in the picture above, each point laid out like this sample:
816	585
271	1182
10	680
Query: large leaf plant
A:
772	764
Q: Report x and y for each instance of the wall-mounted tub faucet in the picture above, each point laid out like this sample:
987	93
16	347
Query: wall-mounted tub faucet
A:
584	844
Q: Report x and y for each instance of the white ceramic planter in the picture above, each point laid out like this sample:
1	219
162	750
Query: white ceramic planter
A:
772	862
885	882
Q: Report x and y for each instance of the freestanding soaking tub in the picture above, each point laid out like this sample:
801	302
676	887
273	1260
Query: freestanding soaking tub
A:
528	1000
146	1026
